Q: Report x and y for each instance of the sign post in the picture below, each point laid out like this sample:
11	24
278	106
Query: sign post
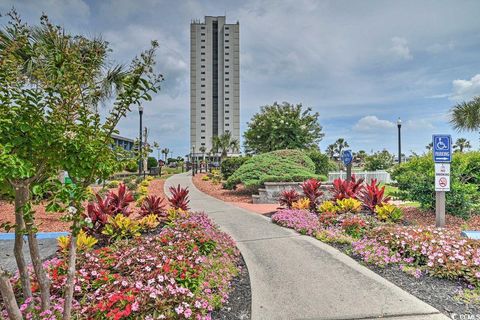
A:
442	156
347	158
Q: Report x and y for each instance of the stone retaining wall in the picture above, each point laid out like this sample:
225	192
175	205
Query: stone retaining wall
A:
272	191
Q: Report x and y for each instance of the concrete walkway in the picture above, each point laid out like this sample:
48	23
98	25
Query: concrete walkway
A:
299	277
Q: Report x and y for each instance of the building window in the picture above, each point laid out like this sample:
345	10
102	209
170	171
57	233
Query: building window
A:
203	143
227	47
226	40
202	53
202	118
227	118
203	111
226	72
202	47
203	40
227	98
226	53
227	92
203	104
227	124
203	138
203	79
227	111
203	28
227	34
203	86
227	79
227	105
227	66
203	72
226	60
203	98
227	85
202	91
202	131
203	66
203	124
203	34
226	28
203	60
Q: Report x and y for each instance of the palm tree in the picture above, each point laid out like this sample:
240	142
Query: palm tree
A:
340	145
165	151
331	151
202	149
429	146
465	116
225	143
157	146
461	144
360	156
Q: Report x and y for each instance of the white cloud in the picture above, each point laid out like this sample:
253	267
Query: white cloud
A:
420	124
466	89
400	48
372	123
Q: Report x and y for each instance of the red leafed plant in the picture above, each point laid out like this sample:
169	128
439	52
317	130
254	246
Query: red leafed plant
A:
120	201
153	205
287	197
343	189
372	195
179	198
311	189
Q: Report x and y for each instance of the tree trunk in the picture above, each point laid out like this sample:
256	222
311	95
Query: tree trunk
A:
42	279
8	296
69	285
21	198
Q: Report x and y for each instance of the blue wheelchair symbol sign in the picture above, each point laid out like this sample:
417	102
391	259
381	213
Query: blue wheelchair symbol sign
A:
347	157
442	148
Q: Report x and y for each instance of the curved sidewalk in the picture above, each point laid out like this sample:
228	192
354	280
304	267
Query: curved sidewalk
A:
298	277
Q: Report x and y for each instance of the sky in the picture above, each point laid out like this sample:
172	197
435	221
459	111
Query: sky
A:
360	64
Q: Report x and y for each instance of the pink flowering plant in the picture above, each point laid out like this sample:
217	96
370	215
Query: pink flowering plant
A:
442	253
302	221
184	272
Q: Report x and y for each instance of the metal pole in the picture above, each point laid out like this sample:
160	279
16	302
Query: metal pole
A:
440	209
193	161
140	144
399	125
349	172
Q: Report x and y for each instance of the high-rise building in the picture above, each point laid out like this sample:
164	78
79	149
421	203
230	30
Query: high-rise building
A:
214	81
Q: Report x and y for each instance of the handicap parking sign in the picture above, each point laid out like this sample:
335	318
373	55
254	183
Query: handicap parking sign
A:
347	157
442	148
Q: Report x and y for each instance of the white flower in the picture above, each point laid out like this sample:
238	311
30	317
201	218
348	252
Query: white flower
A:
88	220
70	134
72	210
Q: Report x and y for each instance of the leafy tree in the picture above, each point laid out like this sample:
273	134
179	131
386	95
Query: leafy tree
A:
225	143
379	161
465	116
151	162
51	84
283	126
360	156
461	144
322	162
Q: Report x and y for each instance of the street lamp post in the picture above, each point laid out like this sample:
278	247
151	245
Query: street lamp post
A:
193	161
140	143
399	125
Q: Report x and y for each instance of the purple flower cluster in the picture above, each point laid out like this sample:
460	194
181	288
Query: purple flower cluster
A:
302	221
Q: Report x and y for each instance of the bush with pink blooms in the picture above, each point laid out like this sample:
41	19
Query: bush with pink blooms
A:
440	252
184	272
302	221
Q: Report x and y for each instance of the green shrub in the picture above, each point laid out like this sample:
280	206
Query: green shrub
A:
416	183
151	162
132	166
275	166
230	165
322	162
379	161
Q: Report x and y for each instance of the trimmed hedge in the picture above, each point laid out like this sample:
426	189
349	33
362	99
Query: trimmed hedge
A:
322	162
275	166
416	183
230	165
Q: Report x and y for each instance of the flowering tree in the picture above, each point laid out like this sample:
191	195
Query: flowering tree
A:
51	84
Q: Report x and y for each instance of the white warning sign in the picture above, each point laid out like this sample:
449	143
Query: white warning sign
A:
442	176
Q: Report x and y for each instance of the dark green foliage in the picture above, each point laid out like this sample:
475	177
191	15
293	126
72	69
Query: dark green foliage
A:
416	182
379	161
230	165
282	126
151	162
322	162
275	166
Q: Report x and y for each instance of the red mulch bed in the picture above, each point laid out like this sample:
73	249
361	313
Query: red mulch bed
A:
217	191
50	221
417	216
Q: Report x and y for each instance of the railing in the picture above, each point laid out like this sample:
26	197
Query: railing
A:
381	176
